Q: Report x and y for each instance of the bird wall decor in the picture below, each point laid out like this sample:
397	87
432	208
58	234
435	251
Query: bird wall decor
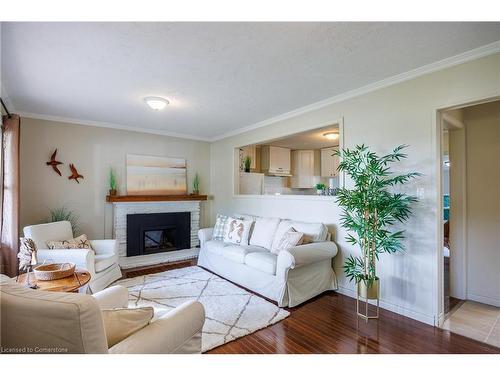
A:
54	163
74	173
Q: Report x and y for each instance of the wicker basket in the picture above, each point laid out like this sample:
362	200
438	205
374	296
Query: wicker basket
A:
54	271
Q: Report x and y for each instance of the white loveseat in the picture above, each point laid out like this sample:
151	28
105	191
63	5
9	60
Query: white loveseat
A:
289	278
101	262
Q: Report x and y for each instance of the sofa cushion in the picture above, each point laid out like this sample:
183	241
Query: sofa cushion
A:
237	253
313	232
215	246
262	261
122	322
263	232
103	261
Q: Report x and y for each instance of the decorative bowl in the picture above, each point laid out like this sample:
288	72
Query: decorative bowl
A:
54	271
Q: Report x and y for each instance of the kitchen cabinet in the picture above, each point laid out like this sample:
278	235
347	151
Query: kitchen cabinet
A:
305	168
329	162
275	161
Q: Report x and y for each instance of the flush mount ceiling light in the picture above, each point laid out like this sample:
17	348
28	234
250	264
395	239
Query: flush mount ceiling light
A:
332	136
155	102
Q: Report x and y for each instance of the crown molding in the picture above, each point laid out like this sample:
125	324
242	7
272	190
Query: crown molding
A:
474	54
110	125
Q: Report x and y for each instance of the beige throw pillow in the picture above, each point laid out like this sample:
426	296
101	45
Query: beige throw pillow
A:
80	242
290	239
121	323
238	231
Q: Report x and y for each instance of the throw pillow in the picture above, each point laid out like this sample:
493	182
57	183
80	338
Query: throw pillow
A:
80	242
263	232
238	231
220	227
121	323
290	239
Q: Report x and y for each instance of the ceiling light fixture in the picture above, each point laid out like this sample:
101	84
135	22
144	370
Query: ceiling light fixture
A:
155	102
332	136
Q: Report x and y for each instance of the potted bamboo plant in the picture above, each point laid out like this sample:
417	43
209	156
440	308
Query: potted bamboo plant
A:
370	208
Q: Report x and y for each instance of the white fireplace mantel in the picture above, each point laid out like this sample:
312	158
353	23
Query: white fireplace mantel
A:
122	209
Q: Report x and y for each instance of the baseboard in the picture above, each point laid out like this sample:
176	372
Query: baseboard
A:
483	299
409	313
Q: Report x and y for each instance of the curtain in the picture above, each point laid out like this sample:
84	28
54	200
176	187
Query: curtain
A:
9	190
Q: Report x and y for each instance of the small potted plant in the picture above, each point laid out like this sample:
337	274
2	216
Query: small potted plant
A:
196	184
112	182
320	188
247	163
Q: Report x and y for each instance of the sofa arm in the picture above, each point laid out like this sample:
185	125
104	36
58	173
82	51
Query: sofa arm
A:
104	246
205	235
178	331
83	258
306	254
112	298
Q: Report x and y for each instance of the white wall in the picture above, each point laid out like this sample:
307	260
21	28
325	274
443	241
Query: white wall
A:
482	125
458	210
403	113
93	150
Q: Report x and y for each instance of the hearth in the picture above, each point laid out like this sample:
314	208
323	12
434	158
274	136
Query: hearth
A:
158	232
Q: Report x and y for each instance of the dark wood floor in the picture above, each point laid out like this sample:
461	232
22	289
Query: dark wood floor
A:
328	324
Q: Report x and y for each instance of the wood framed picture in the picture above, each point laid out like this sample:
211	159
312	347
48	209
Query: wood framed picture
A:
156	175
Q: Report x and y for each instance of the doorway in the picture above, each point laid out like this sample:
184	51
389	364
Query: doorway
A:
470	228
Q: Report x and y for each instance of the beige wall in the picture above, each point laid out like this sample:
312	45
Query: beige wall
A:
403	113
93	150
482	124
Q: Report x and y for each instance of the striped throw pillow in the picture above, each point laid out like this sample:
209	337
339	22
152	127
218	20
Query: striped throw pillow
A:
220	227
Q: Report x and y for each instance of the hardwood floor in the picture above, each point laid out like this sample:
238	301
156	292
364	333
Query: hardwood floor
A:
328	324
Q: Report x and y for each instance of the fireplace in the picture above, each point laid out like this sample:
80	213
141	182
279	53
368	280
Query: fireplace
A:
158	232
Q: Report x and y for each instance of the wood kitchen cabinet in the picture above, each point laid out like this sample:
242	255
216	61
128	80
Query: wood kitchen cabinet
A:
305	168
329	162
275	160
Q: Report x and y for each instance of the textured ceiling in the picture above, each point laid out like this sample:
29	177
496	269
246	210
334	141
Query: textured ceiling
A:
219	77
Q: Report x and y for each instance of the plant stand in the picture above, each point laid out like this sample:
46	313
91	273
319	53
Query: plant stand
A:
366	316
365	295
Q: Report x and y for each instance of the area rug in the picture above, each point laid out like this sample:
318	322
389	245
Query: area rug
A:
231	312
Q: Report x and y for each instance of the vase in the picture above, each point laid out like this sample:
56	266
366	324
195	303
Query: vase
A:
369	291
112	192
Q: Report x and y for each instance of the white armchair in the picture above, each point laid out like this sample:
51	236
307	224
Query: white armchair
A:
102	262
35	321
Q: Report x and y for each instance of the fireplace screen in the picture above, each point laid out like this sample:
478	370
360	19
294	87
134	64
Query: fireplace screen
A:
158	232
159	240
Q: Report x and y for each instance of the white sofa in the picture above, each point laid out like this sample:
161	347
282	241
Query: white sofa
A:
289	278
101	262
36	321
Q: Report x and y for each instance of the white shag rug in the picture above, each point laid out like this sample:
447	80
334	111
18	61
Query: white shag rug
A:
231	312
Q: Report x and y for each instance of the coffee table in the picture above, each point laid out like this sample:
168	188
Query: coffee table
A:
71	283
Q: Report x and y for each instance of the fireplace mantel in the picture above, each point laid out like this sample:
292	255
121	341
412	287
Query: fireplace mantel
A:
154	198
